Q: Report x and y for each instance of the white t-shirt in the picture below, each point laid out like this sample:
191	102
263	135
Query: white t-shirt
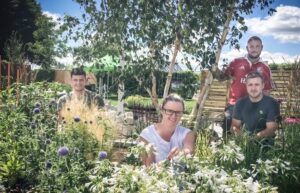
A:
162	146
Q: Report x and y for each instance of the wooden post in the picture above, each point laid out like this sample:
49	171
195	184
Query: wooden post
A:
0	73
8	77
17	81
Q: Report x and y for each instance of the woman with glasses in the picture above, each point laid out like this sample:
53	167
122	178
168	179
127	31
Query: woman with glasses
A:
168	138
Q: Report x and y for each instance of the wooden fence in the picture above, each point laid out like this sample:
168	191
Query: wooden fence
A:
286	90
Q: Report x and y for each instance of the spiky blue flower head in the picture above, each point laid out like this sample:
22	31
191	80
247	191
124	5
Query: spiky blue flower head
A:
102	155
76	119
48	141
52	103
37	105
33	125
76	150
36	110
63	151
48	164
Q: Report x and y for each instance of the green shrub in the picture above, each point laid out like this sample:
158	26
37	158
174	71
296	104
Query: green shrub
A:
45	75
138	101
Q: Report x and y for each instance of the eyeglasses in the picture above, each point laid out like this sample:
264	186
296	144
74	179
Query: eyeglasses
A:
171	112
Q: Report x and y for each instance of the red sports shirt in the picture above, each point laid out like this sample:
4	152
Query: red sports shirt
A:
238	70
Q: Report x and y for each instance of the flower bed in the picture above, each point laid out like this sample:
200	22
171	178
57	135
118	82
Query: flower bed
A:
36	157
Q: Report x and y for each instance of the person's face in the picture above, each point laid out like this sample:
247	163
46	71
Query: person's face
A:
255	87
78	82
172	112
254	49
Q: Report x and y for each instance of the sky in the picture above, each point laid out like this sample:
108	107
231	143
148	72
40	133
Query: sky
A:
279	32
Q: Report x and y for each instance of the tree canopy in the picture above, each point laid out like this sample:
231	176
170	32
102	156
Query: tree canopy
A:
24	20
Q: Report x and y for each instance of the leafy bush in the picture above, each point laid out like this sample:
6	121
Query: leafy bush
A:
186	81
37	153
45	75
138	101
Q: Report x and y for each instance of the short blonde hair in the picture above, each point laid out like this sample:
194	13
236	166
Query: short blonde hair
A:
173	97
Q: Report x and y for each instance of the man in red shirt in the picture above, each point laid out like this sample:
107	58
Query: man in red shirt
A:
238	70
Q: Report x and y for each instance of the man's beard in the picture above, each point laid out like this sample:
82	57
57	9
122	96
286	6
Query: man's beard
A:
250	56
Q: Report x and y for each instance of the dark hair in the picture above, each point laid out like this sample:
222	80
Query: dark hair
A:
173	97
254	74
254	38
78	71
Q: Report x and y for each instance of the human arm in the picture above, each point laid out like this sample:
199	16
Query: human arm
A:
268	82
236	122
269	131
236	126
271	124
221	75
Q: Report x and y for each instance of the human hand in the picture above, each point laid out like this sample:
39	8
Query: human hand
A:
236	131
174	152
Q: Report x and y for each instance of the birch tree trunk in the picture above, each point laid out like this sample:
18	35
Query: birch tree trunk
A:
171	68
121	87
225	31
200	95
215	70
205	90
152	92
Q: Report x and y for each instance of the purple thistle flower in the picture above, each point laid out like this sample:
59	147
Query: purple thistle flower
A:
48	164
63	151
102	155
76	119
36	110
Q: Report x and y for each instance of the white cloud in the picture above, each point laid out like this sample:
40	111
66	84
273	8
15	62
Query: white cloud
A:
277	57
55	17
66	61
283	25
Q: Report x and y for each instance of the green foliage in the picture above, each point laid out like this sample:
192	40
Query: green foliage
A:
185	83
31	158
45	75
14	49
19	17
43	48
137	101
37	36
30	138
188	84
142	34
276	165
286	66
